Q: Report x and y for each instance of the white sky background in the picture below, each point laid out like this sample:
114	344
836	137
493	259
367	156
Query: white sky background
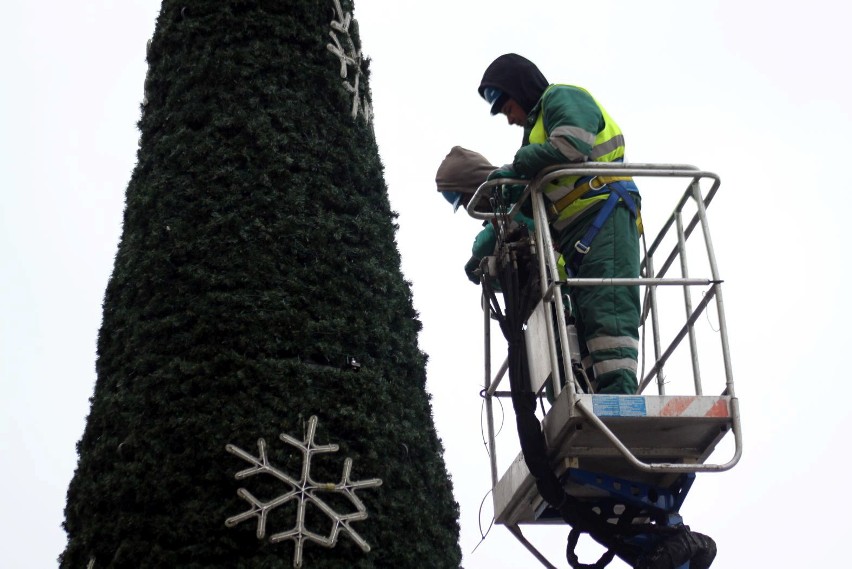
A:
754	91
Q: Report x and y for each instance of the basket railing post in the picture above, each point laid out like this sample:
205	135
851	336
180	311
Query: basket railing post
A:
486	393
687	299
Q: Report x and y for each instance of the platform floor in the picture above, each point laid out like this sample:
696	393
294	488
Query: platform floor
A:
656	429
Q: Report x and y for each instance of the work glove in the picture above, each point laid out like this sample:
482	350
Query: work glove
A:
503	172
512	192
471	269
509	193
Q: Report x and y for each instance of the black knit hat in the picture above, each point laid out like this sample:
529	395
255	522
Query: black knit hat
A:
516	77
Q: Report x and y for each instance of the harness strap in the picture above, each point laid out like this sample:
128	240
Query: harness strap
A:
618	191
586	188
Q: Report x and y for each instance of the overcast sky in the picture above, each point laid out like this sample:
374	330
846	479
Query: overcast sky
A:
755	91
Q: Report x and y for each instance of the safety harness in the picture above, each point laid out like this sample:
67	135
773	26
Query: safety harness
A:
620	189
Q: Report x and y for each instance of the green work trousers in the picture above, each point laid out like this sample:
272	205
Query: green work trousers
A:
607	316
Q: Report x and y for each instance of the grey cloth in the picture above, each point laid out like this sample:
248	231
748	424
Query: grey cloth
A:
462	171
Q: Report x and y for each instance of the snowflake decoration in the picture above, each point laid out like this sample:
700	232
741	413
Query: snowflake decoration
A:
303	491
348	57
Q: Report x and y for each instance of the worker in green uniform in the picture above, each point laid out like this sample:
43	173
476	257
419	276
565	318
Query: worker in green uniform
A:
594	219
458	177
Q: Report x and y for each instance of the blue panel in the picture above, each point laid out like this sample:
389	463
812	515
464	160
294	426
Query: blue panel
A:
619	406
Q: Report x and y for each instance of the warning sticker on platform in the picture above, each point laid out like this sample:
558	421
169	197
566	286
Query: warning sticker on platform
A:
618	406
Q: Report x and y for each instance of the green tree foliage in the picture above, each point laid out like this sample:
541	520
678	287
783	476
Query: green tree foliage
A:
257	257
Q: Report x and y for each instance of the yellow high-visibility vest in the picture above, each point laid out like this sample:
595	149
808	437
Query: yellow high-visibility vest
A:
608	147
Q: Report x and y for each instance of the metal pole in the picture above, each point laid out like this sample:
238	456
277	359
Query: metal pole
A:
489	408
637	281
544	245
720	305
516	531
687	299
655	328
495	383
736	427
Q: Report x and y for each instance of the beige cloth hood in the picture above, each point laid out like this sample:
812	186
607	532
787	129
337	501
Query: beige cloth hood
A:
462	171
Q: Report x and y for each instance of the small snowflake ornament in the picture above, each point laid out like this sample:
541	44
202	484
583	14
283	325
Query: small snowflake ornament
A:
348	56
303	490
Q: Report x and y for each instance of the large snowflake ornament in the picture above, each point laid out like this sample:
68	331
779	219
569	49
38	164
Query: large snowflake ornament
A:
303	491
349	57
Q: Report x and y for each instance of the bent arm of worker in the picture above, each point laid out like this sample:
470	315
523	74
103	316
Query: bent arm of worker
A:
485	241
483	245
572	120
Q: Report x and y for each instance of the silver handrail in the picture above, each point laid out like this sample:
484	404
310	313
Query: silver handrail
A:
668	466
548	272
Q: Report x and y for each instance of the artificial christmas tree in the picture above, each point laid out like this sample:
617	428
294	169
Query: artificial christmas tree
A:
257	294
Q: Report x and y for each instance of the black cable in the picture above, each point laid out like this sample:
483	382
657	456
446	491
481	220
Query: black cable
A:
521	289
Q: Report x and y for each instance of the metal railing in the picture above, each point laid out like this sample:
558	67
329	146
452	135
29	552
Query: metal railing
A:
681	225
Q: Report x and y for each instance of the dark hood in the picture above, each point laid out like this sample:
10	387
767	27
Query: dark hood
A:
517	77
